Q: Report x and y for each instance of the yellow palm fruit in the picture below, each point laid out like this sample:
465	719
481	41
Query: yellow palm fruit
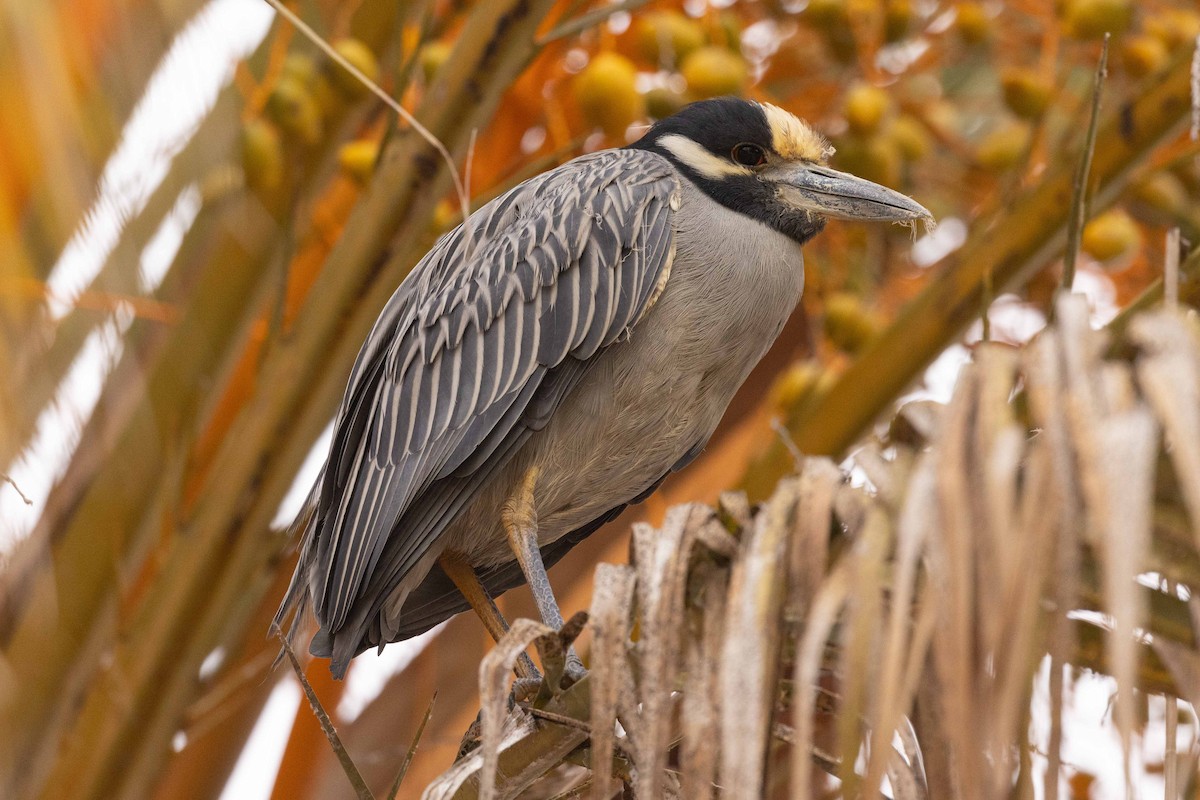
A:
910	137
714	71
301	67
849	325
1144	55
1174	27
446	215
668	37
292	106
876	157
730	31
359	55
1091	19
1162	191
898	19
826	14
972	23
663	102
1026	92
431	58
262	156
865	108
358	158
795	384
1003	148
607	94
1111	237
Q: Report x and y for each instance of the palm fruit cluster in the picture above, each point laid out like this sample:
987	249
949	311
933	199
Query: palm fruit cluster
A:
305	96
664	60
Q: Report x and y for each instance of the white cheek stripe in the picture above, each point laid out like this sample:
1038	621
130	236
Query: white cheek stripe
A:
698	157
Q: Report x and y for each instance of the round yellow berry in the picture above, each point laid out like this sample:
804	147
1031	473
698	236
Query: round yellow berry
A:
431	58
361	57
849	325
1111	237
1174	27
911	137
358	158
826	14
668	37
663	102
714	71
972	23
897	20
866	107
795	384
876	157
262	156
293	108
1162	191
1003	148
606	93
1144	55
1026	93
1091	19
301	67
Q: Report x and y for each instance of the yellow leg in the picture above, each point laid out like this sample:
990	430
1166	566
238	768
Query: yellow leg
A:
464	577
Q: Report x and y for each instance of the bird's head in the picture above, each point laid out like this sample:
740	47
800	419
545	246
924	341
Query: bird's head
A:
761	161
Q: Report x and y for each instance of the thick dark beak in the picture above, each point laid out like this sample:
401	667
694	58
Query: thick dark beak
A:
831	193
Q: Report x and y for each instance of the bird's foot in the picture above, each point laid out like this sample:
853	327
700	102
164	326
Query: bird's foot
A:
573	669
561	664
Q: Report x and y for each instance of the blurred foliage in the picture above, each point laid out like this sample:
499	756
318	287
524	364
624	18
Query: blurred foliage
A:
308	202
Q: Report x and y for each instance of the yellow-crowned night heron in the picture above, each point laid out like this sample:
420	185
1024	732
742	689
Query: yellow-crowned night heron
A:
553	359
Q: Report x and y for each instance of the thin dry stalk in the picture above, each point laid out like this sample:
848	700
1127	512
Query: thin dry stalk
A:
361	790
1170	762
612	602
826	607
702	702
751	647
1082	174
412	750
662	558
494	670
902	646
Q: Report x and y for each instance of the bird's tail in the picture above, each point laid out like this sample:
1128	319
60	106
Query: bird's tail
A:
293	610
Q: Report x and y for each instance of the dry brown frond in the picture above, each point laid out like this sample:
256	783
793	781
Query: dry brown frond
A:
915	651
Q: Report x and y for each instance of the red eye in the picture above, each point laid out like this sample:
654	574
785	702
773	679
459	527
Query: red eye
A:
749	155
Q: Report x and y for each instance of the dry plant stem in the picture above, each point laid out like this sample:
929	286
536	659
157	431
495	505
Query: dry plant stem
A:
748	676
412	750
826	606
6	479
610	611
588	20
352	774
528	753
1171	270
1083	173
1170	764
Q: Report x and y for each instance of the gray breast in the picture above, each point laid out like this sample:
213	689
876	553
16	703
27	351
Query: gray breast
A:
649	400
